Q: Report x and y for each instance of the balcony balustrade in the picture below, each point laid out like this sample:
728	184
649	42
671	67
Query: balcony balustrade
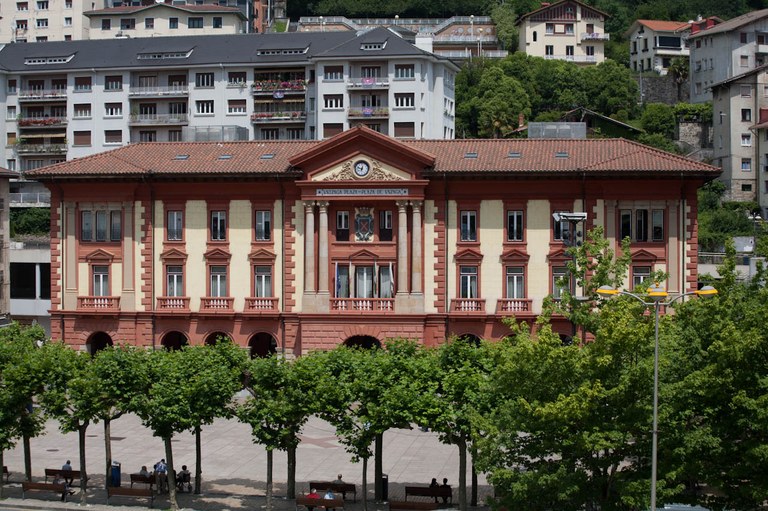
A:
513	305
98	303
468	305
363	305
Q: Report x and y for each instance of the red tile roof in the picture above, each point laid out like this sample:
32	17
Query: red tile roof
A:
496	156
664	26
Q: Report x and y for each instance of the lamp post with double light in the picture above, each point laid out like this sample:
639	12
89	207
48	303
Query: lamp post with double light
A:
656	297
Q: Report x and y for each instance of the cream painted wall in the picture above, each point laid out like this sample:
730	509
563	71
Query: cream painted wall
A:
451	238
491	245
429	257
115	279
277	230
138	212
196	236
538	236
298	249
240	225
83	283
159	237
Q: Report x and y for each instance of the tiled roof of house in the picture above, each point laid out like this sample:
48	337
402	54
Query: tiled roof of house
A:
475	156
733	23
664	26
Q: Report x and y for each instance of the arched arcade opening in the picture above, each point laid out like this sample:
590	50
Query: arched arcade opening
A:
262	345
362	341
174	340
97	342
215	337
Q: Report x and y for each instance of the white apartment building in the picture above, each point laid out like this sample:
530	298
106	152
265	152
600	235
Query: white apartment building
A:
721	51
740	113
24	21
565	30
654	43
72	99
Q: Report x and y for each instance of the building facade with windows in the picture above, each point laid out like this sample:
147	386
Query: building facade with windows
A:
29	21
300	245
67	100
564	30
653	44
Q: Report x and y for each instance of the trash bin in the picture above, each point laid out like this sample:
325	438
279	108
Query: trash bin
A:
115	475
384	487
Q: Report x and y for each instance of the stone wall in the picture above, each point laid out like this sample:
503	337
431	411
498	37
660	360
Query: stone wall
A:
662	89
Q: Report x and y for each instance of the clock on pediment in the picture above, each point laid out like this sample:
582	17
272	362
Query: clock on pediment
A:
361	168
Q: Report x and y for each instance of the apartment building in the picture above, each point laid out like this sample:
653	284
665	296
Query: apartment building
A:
301	245
653	44
68	100
564	30
5	237
42	20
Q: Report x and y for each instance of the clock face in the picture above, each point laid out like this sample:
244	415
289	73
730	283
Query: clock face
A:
362	168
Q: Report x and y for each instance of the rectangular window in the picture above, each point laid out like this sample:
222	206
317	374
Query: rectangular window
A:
82	83
149	23
404	71
569	51
364	282
195	22
385	225
746	164
263	225
743	37
101	281
331	129
42	23
204	80
113	136
67	21
173	23
558	274
175	281
744	61
514	225
42	5
625	224
86	226
333	73
148	136
218	281
101	226
113	82
204	107
746	139
295	133
263	281
218	225
11	87
404	100
640	274
113	109
342	281
657	227
236	78
342	226
174	135
746	91
549	28
468	225
106	24
82	138
746	114
22	6
175	226
127	24
590	51
270	133
10	113
468	284
218	22
333	101
641	225
115	225
515	282
236	106
404	130
386	282
549	50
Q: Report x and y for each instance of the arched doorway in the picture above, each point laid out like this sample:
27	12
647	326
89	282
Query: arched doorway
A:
262	345
98	341
470	339
215	337
566	339
362	341
173	341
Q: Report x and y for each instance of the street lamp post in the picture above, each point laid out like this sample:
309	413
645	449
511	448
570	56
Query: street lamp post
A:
480	42
655	297
570	239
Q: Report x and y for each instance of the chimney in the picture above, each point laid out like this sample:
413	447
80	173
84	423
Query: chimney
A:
695	28
521	119
545	4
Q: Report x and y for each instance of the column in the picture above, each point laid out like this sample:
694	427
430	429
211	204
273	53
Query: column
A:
309	247
416	248
322	255
402	247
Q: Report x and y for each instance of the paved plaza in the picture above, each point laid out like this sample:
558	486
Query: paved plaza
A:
234	468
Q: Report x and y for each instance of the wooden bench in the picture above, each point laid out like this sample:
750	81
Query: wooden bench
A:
320	503
131	492
60	489
6	474
412	506
138	478
65	474
335	487
444	492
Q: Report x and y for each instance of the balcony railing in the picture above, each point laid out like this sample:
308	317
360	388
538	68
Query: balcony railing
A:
216	304
171	90
30	199
278	87
98	303
159	119
41	148
573	58
468	305
173	303
42	122
365	112
260	304
377	305
42	94
513	305
377	82
275	117
594	36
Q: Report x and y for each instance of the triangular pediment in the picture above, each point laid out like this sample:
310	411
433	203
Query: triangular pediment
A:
559	255
99	255
514	255
643	255
217	253
469	255
363	254
261	254
361	168
173	253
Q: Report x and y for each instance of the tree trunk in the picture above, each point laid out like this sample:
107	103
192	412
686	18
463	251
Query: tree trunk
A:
270	453
108	450
291	488
473	497
27	458
378	491
365	484
198	461
462	444
83	474
2	479
171	474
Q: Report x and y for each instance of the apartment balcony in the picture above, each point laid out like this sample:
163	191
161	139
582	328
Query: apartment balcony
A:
363	305
217	304
29	200
368	83
158	119
41	148
368	113
173	304
38	95
594	36
98	303
279	88
762	48
42	122
468	305
470	53
278	117
513	306
171	91
579	59
260	305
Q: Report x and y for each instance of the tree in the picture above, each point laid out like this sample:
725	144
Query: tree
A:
609	87
501	105
659	118
30	221
679	69
658	141
504	17
720	220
